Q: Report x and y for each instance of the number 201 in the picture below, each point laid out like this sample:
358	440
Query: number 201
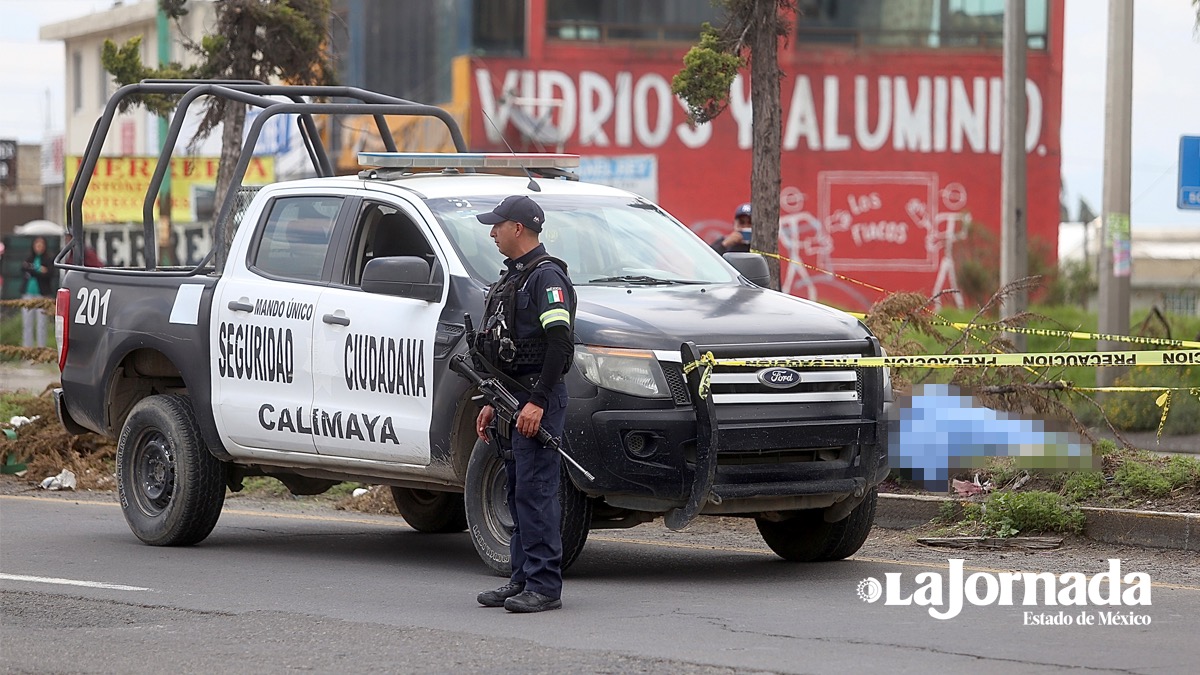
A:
92	306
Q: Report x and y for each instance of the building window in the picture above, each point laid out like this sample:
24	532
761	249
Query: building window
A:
1184	301
498	27
915	23
619	20
77	80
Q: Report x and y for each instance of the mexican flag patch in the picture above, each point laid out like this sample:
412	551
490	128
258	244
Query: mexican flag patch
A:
554	295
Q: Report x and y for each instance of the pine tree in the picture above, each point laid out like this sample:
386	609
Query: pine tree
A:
753	28
265	40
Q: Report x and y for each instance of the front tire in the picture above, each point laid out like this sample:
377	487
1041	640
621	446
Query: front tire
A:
171	487
431	511
806	537
490	521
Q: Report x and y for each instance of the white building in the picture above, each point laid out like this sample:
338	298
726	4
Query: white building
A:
89	86
1166	264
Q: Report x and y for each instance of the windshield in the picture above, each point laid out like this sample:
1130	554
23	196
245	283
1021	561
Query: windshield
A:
603	239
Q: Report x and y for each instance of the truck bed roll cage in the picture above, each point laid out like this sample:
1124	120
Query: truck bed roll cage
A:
249	92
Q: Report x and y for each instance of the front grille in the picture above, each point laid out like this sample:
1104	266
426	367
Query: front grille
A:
731	458
677	382
784	456
741	385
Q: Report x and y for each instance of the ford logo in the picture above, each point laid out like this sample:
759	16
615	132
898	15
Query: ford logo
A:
779	378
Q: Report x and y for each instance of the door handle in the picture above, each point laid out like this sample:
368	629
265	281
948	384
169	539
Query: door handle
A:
239	306
335	319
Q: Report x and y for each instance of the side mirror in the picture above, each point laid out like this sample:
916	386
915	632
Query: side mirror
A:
752	266
402	276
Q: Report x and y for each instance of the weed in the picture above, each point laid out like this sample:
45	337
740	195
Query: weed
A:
949	512
1182	471
1008	513
1081	485
263	486
13	404
1142	477
1003	470
972	512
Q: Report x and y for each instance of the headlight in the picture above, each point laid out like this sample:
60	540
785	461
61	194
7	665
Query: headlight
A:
629	371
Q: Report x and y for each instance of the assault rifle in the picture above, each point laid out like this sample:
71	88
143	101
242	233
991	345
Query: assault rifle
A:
507	408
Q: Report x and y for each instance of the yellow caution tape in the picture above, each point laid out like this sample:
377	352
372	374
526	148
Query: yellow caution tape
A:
1072	334
1176	357
707	362
1187	356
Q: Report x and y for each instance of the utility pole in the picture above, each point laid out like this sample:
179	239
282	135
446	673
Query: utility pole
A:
1116	259
166	256
1014	245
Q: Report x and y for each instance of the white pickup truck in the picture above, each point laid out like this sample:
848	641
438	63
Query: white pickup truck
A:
317	351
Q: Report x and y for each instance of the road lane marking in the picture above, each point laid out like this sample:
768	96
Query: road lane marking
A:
234	512
614	540
72	582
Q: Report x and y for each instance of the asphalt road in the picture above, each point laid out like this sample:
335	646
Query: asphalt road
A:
279	588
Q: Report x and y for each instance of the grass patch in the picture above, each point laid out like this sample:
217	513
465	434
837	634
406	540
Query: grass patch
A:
263	486
15	403
1082	485
1140	474
267	486
1006	514
1183	471
1141	480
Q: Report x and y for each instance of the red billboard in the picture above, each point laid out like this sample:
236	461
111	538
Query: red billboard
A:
887	156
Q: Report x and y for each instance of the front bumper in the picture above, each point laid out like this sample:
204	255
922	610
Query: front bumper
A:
814	455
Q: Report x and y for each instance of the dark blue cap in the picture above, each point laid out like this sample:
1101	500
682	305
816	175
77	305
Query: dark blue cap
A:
517	208
743	210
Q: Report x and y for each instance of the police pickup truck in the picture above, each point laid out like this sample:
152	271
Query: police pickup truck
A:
317	351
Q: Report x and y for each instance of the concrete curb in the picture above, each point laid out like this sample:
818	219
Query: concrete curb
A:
1154	529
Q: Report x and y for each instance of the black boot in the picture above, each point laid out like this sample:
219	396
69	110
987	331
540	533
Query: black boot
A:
530	601
497	597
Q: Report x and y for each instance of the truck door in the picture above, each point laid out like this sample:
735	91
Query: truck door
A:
263	326
374	352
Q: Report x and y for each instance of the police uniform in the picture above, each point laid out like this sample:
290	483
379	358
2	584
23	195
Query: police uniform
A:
526	336
738	247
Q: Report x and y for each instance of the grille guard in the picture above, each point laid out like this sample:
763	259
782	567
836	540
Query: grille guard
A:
706	447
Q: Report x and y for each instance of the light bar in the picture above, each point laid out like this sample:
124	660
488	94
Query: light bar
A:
467	160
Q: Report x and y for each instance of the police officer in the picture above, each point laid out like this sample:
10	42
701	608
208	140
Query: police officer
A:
526	336
738	239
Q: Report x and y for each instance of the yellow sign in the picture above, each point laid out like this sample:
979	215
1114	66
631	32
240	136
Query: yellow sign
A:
118	186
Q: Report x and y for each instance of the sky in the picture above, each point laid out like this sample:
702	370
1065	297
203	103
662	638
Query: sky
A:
1166	94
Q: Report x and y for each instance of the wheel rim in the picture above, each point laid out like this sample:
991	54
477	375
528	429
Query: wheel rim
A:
497	515
153	473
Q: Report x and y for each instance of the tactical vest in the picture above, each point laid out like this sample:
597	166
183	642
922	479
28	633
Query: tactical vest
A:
497	340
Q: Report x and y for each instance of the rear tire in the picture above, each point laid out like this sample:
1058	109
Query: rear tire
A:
490	522
171	487
431	511
806	537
